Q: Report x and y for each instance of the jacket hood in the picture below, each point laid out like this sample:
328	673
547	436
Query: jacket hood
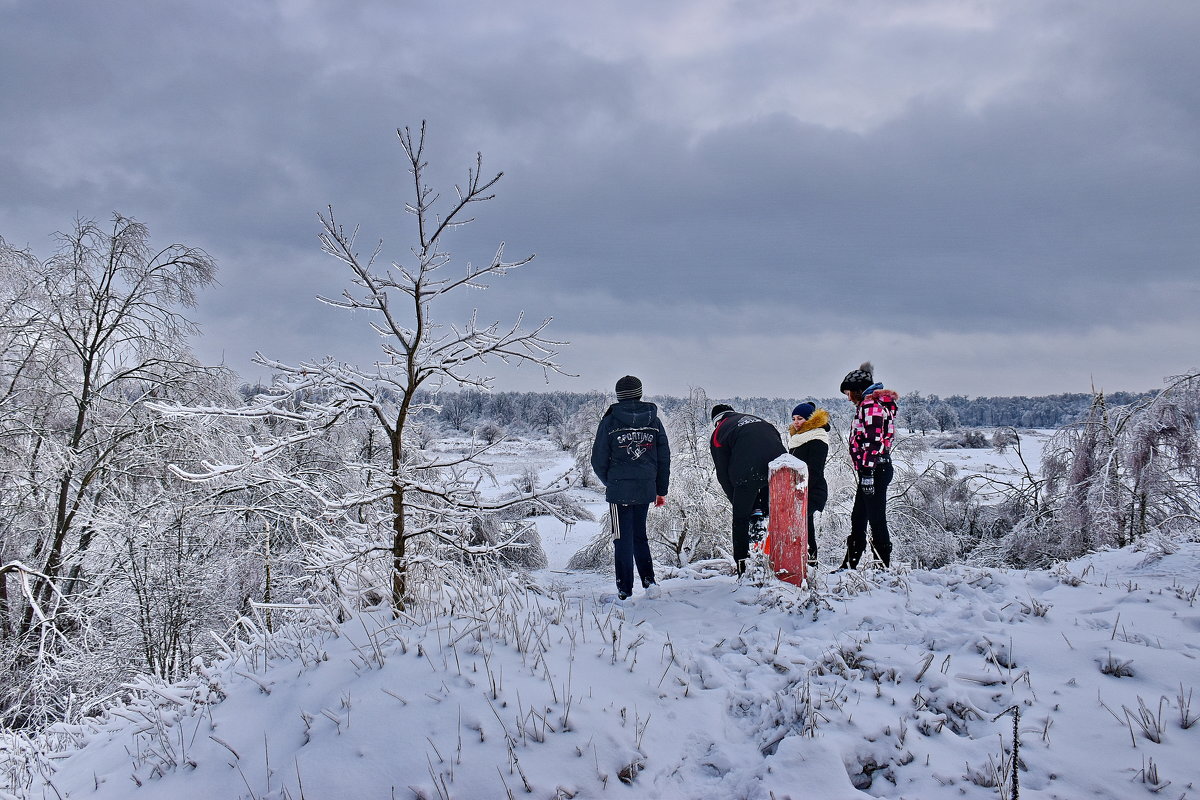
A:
819	419
633	413
882	396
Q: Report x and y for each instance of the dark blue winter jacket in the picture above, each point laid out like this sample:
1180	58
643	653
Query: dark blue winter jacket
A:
631	456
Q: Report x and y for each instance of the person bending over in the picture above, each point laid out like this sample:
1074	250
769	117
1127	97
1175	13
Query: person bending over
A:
742	445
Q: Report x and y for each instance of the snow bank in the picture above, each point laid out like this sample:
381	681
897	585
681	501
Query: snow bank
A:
872	684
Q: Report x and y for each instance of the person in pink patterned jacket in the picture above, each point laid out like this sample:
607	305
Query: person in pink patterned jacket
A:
871	452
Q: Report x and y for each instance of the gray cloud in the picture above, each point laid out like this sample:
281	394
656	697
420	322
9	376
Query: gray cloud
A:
720	187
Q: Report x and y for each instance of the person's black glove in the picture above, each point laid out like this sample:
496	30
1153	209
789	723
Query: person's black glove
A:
866	481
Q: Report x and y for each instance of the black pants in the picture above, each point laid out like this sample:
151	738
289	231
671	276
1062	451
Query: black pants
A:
870	510
812	535
747	497
630	545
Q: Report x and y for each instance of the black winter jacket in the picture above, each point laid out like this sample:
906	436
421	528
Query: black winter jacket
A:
631	455
742	446
814	453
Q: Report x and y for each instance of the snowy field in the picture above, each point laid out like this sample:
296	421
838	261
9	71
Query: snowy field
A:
899	684
1007	465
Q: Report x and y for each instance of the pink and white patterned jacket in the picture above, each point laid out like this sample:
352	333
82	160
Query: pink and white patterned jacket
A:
874	427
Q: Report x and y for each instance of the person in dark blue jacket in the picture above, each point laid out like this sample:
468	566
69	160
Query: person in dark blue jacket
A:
632	458
742	446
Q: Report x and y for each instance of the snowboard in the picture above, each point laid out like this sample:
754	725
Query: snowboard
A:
787	525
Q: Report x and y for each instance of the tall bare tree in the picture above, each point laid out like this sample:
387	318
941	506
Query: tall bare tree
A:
395	492
88	336
98	332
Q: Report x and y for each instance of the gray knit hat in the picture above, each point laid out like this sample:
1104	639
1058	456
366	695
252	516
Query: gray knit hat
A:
629	388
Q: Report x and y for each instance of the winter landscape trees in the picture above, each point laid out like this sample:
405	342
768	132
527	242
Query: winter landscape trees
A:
147	502
89	335
392	485
1117	475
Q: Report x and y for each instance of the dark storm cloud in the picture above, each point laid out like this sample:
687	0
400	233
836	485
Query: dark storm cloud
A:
994	178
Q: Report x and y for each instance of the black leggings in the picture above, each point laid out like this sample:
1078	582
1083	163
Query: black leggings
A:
812	534
870	509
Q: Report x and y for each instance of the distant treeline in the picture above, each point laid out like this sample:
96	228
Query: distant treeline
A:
539	411
1047	411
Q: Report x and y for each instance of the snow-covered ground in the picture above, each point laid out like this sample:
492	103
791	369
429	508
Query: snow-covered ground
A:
866	684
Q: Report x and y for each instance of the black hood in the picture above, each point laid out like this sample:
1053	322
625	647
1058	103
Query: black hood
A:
633	413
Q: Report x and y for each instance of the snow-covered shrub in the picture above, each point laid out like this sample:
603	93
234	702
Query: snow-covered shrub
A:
489	432
579	429
1003	438
562	505
940	515
512	542
597	553
959	439
975	440
1116	475
909	447
928	512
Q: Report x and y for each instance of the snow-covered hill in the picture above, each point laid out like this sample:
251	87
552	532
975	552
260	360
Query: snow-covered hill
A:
884	684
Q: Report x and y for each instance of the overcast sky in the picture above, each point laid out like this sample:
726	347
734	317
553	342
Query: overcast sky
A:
983	198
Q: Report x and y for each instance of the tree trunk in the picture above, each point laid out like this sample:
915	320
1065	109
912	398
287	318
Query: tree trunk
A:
6	629
399	563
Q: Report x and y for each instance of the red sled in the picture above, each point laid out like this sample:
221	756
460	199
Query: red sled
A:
787	526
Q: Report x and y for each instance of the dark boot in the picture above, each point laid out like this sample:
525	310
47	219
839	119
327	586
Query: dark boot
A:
854	551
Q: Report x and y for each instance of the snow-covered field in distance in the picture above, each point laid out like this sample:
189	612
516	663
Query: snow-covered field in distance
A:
1005	464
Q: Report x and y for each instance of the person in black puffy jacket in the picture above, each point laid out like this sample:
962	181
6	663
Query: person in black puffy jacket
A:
632	458
742	445
808	440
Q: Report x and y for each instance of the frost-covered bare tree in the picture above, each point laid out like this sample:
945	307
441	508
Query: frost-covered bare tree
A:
695	522
23	409
577	434
109	337
393	506
1118	474
88	335
945	415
